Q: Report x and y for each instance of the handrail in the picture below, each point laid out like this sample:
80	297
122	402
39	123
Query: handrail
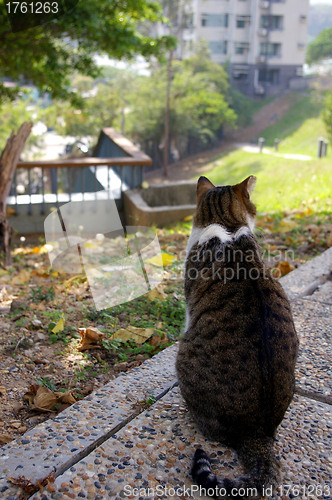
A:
86	162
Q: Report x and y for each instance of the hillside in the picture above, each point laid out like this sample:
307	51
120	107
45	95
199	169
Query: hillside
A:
320	17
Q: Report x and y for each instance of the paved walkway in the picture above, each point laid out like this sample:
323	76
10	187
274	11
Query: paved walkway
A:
111	445
251	148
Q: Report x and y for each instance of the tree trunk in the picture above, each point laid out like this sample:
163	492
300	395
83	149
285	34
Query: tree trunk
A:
168	88
8	161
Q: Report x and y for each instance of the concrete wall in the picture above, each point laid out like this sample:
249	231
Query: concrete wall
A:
165	203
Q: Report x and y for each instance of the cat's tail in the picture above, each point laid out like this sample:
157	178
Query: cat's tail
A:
259	460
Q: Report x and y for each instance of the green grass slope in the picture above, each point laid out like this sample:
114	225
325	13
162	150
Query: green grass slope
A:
284	183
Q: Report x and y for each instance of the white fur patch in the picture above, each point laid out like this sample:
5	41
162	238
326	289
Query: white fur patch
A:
251	223
202	235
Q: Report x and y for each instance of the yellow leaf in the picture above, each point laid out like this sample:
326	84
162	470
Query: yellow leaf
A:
59	326
36	250
87	244
139	335
188	218
157	293
285	267
3	272
9	211
287	225
161	260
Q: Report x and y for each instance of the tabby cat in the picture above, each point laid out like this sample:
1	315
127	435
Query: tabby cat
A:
236	360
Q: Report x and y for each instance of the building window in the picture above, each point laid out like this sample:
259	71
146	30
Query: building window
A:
271	22
241	21
241	48
214	20
268	76
218	47
270	49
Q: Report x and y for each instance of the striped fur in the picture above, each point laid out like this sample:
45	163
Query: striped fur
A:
236	360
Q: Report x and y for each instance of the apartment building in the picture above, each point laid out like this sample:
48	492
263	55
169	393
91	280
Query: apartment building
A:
263	41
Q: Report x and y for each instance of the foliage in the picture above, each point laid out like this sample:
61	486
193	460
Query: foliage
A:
41	293
46	55
327	114
103	105
12	115
242	105
198	106
320	48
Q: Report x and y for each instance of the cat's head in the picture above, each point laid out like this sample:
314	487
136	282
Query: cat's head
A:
229	206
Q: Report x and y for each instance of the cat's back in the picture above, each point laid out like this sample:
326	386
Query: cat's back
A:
237	356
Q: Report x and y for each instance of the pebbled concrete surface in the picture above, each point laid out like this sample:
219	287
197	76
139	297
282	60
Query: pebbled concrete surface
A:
96	452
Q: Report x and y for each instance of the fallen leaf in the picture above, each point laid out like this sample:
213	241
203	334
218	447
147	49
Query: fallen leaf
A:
22	277
36	250
139	335
329	240
59	327
285	267
156	339
90	338
40	398
188	218
5	438
287	225
157	293
9	211
161	260
66	397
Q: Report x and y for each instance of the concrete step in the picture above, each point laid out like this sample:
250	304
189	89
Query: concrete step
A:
110	443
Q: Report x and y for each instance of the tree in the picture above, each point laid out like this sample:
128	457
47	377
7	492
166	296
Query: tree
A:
8	161
47	55
198	107
327	114
320	48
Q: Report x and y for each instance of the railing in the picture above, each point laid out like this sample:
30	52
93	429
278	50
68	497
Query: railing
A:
75	179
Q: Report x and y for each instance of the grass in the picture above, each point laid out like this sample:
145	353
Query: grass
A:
284	183
299	129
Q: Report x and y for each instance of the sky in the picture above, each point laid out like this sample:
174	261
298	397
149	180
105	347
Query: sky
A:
312	2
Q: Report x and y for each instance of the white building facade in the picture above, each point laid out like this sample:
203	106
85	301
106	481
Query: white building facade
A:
263	41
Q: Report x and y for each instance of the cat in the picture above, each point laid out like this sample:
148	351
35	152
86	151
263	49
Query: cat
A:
236	360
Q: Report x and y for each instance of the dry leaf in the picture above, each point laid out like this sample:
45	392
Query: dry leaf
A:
22	277
9	211
285	267
5	438
329	240
90	338
157	293
45	399
155	340
139	335
66	397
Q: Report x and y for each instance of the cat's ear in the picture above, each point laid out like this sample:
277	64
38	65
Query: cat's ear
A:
203	185
246	187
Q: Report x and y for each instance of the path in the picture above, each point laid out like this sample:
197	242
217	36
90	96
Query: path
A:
109	443
197	165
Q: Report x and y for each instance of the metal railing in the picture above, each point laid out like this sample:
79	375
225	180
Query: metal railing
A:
75	179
